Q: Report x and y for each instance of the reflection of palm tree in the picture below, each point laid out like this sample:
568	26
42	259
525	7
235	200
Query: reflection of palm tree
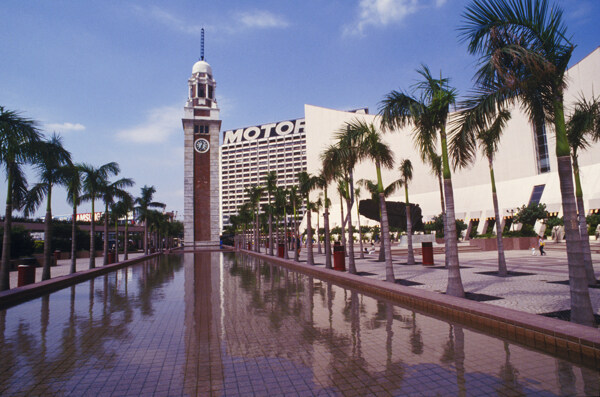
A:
509	374
416	340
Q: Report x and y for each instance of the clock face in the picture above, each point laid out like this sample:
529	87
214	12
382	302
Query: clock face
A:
201	145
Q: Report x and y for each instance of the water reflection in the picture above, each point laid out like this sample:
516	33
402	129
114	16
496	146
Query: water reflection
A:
200	324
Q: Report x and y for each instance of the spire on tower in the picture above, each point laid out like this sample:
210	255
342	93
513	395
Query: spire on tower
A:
202	44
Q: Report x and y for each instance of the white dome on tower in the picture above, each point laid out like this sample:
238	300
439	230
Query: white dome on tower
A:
202	67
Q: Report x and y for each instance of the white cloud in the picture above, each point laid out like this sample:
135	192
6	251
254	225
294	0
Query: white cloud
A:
386	12
261	19
65	127
160	124
167	19
257	19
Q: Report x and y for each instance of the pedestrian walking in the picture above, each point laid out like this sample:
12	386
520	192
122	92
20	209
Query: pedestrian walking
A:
541	243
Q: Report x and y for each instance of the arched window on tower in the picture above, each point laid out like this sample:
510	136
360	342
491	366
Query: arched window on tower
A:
201	91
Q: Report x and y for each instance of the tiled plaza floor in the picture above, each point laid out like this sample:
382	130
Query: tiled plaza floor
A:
530	293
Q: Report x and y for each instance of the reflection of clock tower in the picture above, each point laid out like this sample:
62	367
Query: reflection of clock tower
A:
201	126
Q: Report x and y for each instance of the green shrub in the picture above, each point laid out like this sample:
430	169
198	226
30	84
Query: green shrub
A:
21	242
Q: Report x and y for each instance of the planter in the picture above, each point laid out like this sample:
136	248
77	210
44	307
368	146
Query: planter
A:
509	243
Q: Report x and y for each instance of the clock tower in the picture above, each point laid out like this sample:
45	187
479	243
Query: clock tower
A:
201	127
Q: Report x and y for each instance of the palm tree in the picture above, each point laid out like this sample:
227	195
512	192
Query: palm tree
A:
254	194
281	201
341	189
428	115
360	236
74	185
583	124
463	146
306	183
339	161
127	202
295	202
406	174
271	185
322	182
435	163
524	53
318	207
18	139
94	180
109	193
374	149
280	204
51	159
143	204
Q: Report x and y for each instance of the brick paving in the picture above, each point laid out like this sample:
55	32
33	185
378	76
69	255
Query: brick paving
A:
219	324
532	294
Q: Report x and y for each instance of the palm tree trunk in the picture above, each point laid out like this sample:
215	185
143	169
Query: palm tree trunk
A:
381	242
385	238
286	255
502	271
92	239
297	237
585	239
47	237
581	305
74	239
443	206
105	259
146	236
310	260
411	255
360	237
5	265
116	239
270	229
343	225
126	239
351	262
327	235
455	286
256	235
319	250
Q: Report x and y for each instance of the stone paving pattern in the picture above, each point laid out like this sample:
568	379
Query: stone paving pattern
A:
532	294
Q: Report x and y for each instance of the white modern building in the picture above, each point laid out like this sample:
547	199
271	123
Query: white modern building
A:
525	164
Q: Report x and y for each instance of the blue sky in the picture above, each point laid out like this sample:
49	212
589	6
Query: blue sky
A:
111	75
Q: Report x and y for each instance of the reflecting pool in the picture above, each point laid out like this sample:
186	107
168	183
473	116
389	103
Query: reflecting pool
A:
220	324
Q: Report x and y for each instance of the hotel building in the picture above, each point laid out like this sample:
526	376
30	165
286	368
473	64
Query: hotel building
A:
525	164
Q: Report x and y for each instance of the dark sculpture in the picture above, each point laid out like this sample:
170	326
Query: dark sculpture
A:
396	213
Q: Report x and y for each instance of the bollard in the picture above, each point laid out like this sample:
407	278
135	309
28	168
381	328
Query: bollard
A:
280	250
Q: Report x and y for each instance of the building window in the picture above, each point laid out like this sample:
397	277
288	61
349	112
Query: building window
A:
210	91
200	90
200	129
536	194
541	146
